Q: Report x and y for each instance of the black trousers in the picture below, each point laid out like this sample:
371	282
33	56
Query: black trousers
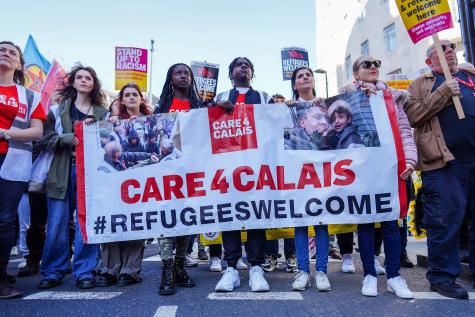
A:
256	246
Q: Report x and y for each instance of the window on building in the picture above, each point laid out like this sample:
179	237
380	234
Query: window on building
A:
348	68
365	48
390	37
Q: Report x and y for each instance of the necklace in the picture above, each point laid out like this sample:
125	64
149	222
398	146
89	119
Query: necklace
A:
77	110
469	84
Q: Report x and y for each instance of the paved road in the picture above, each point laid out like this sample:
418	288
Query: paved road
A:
142	300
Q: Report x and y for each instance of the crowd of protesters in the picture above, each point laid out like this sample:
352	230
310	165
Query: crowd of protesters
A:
443	149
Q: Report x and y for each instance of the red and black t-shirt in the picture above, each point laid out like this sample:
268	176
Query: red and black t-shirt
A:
179	105
9	107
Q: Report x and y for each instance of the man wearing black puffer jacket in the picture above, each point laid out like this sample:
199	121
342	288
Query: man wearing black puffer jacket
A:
241	72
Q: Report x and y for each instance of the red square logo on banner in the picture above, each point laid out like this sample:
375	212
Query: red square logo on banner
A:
234	131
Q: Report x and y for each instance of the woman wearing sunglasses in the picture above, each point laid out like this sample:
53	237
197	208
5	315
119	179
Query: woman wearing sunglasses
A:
366	74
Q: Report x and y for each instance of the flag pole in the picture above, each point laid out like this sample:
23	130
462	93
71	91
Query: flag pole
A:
152	42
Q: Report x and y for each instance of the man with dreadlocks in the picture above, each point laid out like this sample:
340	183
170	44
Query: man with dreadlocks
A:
179	94
241	72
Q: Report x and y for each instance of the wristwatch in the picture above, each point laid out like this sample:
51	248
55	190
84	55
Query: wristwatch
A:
7	135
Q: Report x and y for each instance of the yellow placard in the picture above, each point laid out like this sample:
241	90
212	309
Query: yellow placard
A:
423	18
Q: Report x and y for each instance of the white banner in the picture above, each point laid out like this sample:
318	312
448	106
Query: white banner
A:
262	166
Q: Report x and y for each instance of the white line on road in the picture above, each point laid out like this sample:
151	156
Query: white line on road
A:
166	311
256	296
434	295
73	295
155	258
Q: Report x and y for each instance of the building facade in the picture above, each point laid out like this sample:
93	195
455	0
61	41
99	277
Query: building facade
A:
347	29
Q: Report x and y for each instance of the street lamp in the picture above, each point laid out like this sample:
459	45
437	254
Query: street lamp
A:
322	71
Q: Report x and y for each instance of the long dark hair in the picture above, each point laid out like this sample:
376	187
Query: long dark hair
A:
295	93
19	74
168	91
143	108
69	92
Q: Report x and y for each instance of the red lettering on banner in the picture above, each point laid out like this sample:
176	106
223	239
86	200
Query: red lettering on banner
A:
234	131
327	174
194	186
172	184
345	172
238	181
124	191
220	183
151	190
308	176
265	178
281	184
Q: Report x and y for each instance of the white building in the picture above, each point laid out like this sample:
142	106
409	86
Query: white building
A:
347	29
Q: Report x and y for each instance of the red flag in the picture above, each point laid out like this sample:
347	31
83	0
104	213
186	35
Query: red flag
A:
54	81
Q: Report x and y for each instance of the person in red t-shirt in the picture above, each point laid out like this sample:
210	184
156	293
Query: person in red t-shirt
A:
179	94
12	188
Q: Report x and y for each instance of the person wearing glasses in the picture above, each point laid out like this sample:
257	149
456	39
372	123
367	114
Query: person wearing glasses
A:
366	74
446	148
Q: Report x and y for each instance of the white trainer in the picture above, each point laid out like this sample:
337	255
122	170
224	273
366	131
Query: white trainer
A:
321	282
347	265
257	282
301	281
398	286
215	264
229	281
240	265
380	270
370	286
22	264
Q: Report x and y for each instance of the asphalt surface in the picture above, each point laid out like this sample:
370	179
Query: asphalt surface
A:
345	298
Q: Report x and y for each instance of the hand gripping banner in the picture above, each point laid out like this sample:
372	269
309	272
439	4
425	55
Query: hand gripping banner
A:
335	161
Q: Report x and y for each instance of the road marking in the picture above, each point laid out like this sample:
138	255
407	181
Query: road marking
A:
256	296
73	295
166	311
434	295
155	258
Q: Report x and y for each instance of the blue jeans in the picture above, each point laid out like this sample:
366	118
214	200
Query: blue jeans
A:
54	261
301	248
392	247
11	192
448	194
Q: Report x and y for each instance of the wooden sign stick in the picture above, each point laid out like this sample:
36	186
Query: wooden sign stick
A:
447	74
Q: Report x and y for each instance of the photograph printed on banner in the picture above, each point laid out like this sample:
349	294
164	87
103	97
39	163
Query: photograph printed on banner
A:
340	122
139	142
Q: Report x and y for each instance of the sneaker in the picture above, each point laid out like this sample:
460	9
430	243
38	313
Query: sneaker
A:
291	264
451	290
14	251
203	255
370	286
7	291
229	281
215	264
380	270
257	282
334	254
270	264
240	265
347	265
22	264
190	262
301	281
398	286
321	282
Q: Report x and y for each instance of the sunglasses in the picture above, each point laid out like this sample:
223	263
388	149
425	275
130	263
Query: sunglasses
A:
451	45
367	64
